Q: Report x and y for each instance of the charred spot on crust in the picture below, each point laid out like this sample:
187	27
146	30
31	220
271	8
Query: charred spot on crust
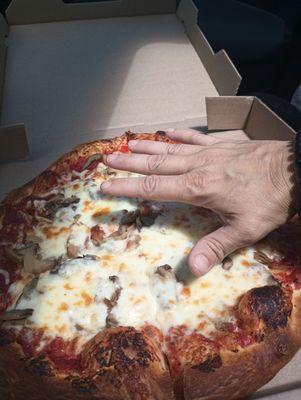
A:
270	304
124	350
40	366
5	339
212	363
83	385
131	135
161	133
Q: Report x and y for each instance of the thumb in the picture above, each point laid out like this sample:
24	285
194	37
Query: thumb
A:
212	249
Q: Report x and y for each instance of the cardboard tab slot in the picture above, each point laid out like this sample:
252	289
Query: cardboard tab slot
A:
219	66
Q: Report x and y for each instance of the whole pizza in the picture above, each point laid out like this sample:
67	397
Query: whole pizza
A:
96	301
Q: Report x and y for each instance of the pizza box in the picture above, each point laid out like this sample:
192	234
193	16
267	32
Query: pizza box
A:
85	67
72	73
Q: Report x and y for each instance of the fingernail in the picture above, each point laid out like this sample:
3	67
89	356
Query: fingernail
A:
112	157
200	264
105	185
132	143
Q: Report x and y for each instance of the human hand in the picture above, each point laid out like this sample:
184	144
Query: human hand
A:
249	184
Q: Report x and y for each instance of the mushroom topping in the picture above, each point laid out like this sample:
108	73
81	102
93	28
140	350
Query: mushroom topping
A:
145	215
262	258
121	233
129	217
227	263
28	289
73	251
133	243
13	255
16	315
165	286
57	202
112	302
165	271
33	263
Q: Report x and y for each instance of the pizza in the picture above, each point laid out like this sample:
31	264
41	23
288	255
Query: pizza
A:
96	301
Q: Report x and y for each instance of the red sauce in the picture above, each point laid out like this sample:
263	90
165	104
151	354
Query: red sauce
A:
29	340
124	148
63	354
290	277
80	163
184	347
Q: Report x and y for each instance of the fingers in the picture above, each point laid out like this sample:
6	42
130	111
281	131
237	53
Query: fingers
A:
152	187
151	147
212	249
161	164
192	137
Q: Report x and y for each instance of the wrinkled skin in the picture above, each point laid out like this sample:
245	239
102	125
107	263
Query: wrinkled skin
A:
249	184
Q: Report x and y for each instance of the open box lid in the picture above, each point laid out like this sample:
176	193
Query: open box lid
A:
73	76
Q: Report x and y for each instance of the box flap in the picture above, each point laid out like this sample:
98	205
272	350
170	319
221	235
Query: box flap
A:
13	143
3	33
228	112
222	72
247	113
263	121
33	11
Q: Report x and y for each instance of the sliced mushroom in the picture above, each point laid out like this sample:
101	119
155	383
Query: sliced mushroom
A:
133	243
34	264
164	284
73	251
112	302
13	255
111	321
262	258
165	271
129	217
227	263
28	289
57	202
91	159
121	233
16	315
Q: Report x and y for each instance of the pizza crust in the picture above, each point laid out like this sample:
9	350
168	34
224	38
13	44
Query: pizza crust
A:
241	374
119	364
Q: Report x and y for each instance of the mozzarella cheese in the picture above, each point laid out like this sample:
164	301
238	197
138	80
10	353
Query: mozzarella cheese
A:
73	301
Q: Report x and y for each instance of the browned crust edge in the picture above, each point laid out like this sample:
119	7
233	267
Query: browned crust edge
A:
119	364
62	165
241	374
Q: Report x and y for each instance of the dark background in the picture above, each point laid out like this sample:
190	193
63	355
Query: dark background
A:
263	39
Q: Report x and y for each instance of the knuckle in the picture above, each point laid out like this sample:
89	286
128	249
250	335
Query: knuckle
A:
174	148
216	247
149	184
155	161
194	183
249	234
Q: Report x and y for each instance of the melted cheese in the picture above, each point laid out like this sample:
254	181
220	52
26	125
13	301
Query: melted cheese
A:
72	302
